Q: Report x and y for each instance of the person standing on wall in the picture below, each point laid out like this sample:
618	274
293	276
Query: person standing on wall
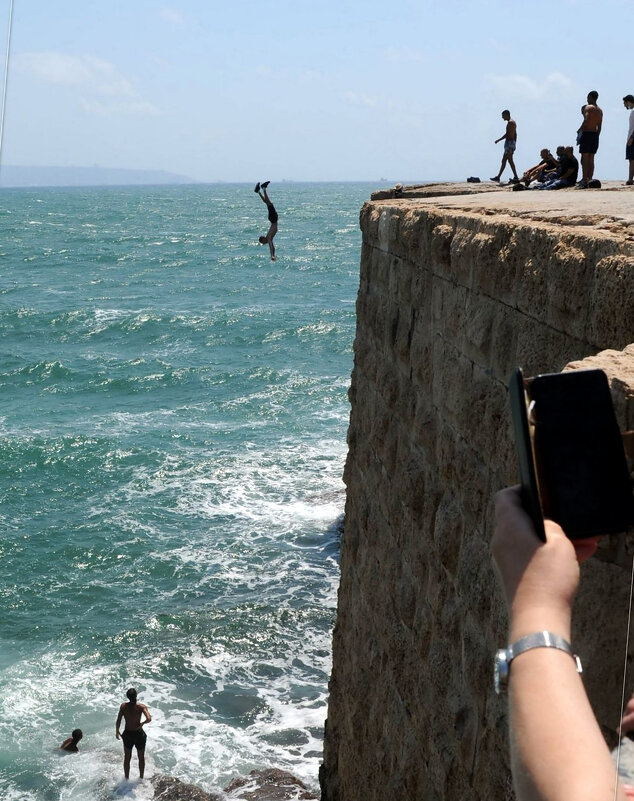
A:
588	138
510	143
628	102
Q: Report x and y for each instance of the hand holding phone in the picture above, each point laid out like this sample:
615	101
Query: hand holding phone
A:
570	453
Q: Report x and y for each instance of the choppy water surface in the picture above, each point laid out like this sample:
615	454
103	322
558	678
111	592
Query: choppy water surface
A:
173	415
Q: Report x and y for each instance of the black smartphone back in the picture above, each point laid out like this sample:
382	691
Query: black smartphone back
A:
524	449
584	482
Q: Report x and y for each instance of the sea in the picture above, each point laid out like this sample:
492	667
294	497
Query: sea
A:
173	418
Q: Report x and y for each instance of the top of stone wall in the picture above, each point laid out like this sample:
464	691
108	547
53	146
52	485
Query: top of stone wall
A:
609	209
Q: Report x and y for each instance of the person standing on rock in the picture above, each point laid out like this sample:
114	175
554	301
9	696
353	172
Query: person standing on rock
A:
628	102
510	143
588	138
133	734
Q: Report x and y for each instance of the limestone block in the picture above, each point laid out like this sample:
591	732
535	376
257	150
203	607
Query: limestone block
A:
452	373
450	301
497	258
440	249
619	367
504	343
472	476
611	322
600	633
387	228
542	350
479	317
532	295
369	221
449	527
410	231
570	275
488	268
420	288
403	336
462	253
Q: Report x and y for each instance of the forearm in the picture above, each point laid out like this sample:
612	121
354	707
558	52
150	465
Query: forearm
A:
551	715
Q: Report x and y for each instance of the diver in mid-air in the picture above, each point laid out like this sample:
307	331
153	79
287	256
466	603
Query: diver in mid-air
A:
273	217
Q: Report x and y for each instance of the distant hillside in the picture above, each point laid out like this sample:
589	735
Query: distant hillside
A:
85	176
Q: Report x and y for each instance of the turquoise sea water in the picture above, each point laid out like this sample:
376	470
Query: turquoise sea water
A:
173	415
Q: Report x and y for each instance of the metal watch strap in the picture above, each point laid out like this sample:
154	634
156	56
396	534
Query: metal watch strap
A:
541	639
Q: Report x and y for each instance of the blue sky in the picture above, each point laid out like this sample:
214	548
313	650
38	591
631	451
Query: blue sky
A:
239	90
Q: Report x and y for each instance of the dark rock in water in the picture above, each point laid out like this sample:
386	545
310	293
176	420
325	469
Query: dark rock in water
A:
270	785
167	788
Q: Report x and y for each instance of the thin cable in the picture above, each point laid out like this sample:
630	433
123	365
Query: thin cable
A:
6	79
627	646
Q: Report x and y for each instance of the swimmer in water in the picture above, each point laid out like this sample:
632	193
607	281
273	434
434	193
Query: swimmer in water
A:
133	734
268	239
70	743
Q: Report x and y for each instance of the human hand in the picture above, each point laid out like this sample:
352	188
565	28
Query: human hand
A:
118	736
539	579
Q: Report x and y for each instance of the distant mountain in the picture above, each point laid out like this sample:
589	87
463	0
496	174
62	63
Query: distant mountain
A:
85	176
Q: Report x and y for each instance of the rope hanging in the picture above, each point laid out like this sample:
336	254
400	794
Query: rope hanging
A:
6	78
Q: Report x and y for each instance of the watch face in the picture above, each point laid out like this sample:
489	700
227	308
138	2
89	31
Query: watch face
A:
500	671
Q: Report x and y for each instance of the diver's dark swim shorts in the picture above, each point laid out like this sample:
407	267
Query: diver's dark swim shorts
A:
273	218
134	738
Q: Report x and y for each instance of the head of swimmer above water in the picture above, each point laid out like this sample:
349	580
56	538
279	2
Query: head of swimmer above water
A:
262	240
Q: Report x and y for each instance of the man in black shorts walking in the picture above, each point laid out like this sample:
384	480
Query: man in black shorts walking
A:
133	734
268	239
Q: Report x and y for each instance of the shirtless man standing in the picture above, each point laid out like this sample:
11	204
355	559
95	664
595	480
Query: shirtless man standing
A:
628	102
510	141
589	138
273	218
133	734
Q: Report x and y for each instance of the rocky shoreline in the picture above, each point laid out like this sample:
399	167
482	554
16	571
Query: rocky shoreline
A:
260	785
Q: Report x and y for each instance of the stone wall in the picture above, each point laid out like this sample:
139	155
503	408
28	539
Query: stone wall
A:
450	300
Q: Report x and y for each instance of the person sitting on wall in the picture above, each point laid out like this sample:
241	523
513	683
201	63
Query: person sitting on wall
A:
552	173
536	173
566	172
558	752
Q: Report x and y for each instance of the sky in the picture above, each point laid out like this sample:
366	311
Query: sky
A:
311	90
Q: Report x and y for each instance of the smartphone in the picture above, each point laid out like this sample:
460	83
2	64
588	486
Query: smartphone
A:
570	453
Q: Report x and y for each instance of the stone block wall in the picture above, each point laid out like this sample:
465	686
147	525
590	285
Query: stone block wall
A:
449	302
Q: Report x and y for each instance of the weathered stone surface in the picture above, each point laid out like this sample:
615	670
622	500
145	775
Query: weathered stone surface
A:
167	788
269	785
454	293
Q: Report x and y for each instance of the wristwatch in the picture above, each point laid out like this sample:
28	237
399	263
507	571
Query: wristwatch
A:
540	639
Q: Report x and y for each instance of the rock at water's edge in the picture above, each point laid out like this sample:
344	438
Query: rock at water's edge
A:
167	788
270	785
